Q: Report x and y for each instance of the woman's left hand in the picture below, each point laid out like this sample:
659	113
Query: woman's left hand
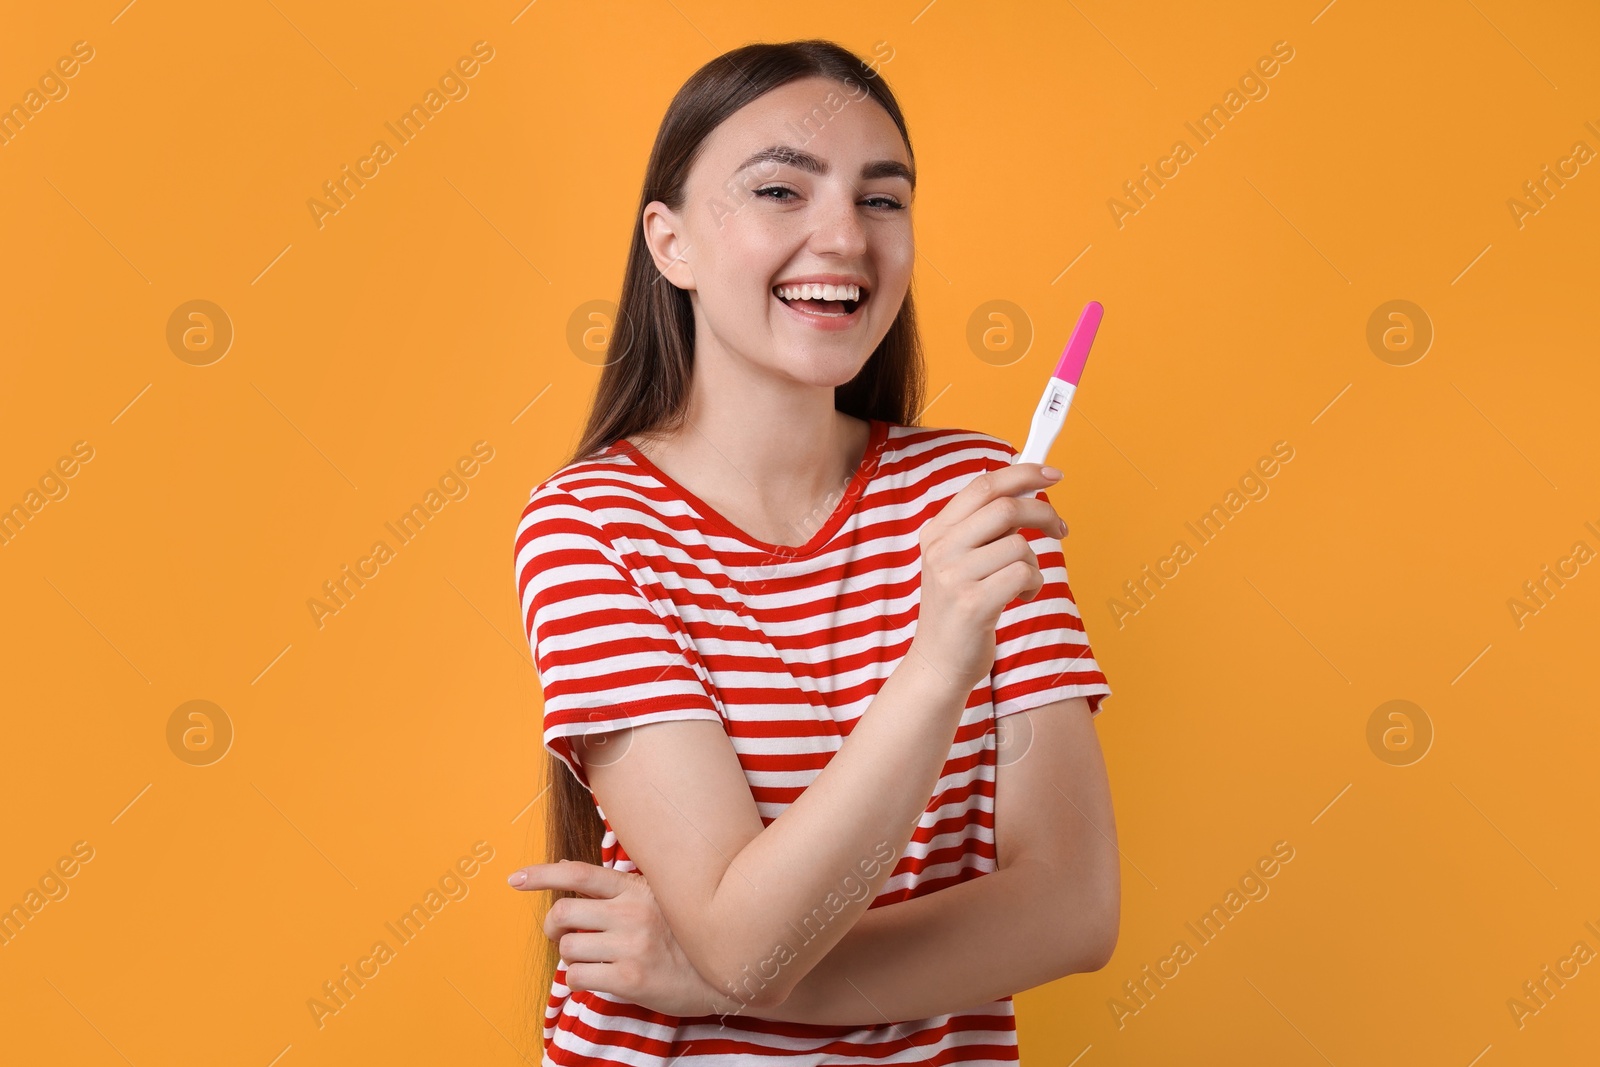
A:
615	940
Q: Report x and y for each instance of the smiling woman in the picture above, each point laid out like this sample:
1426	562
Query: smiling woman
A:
772	724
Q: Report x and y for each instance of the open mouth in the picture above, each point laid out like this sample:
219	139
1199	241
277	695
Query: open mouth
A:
817	306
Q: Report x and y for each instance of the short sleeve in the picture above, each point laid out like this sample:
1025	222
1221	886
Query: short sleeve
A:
606	656
1042	651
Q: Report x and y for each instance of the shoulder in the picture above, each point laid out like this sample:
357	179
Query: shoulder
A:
580	479
594	490
954	450
567	516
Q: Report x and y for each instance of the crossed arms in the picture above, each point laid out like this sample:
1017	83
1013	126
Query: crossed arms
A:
1051	909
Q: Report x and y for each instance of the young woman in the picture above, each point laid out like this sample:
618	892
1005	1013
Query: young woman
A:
817	667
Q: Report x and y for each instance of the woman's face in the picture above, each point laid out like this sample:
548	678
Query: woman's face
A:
833	199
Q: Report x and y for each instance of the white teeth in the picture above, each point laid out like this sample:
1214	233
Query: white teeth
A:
819	292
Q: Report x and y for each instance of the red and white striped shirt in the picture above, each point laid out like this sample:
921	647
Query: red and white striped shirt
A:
642	604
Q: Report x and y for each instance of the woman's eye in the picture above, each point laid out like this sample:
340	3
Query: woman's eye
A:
881	201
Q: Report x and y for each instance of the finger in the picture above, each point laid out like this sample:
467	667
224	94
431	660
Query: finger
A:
578	913
1011	582
588	948
1048	481
1011	480
1051	524
593	977
1051	527
1002	516
571	875
1035	513
983	561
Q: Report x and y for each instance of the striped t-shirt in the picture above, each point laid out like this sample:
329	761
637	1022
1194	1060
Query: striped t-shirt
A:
642	604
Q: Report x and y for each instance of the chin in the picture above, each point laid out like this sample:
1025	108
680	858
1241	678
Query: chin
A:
831	369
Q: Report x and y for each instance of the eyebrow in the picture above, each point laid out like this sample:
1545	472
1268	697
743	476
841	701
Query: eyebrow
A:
789	156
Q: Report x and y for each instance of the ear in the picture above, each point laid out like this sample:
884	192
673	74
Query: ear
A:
664	236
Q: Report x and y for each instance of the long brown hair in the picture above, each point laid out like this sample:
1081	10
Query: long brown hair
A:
644	386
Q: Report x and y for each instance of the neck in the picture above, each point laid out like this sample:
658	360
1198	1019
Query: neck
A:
772	463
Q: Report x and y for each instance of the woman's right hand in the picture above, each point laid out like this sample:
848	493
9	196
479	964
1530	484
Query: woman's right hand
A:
975	562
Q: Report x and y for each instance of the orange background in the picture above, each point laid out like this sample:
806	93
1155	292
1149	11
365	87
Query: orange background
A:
370	753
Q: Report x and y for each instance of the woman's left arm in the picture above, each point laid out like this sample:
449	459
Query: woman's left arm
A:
1052	909
949	951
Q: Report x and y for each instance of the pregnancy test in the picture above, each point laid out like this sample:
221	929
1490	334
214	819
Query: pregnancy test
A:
1051	413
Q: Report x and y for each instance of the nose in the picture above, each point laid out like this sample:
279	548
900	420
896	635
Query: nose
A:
838	224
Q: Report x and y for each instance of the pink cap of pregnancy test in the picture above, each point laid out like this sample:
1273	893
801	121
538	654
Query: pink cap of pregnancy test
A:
1070	369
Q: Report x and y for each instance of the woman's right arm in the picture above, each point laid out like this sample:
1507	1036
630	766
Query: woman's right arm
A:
757	908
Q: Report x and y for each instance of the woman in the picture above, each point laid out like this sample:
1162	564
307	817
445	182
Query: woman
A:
777	626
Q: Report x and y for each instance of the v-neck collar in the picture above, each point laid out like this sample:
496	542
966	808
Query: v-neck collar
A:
876	439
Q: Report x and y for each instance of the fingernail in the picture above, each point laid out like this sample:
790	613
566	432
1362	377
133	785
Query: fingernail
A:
518	877
1050	472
